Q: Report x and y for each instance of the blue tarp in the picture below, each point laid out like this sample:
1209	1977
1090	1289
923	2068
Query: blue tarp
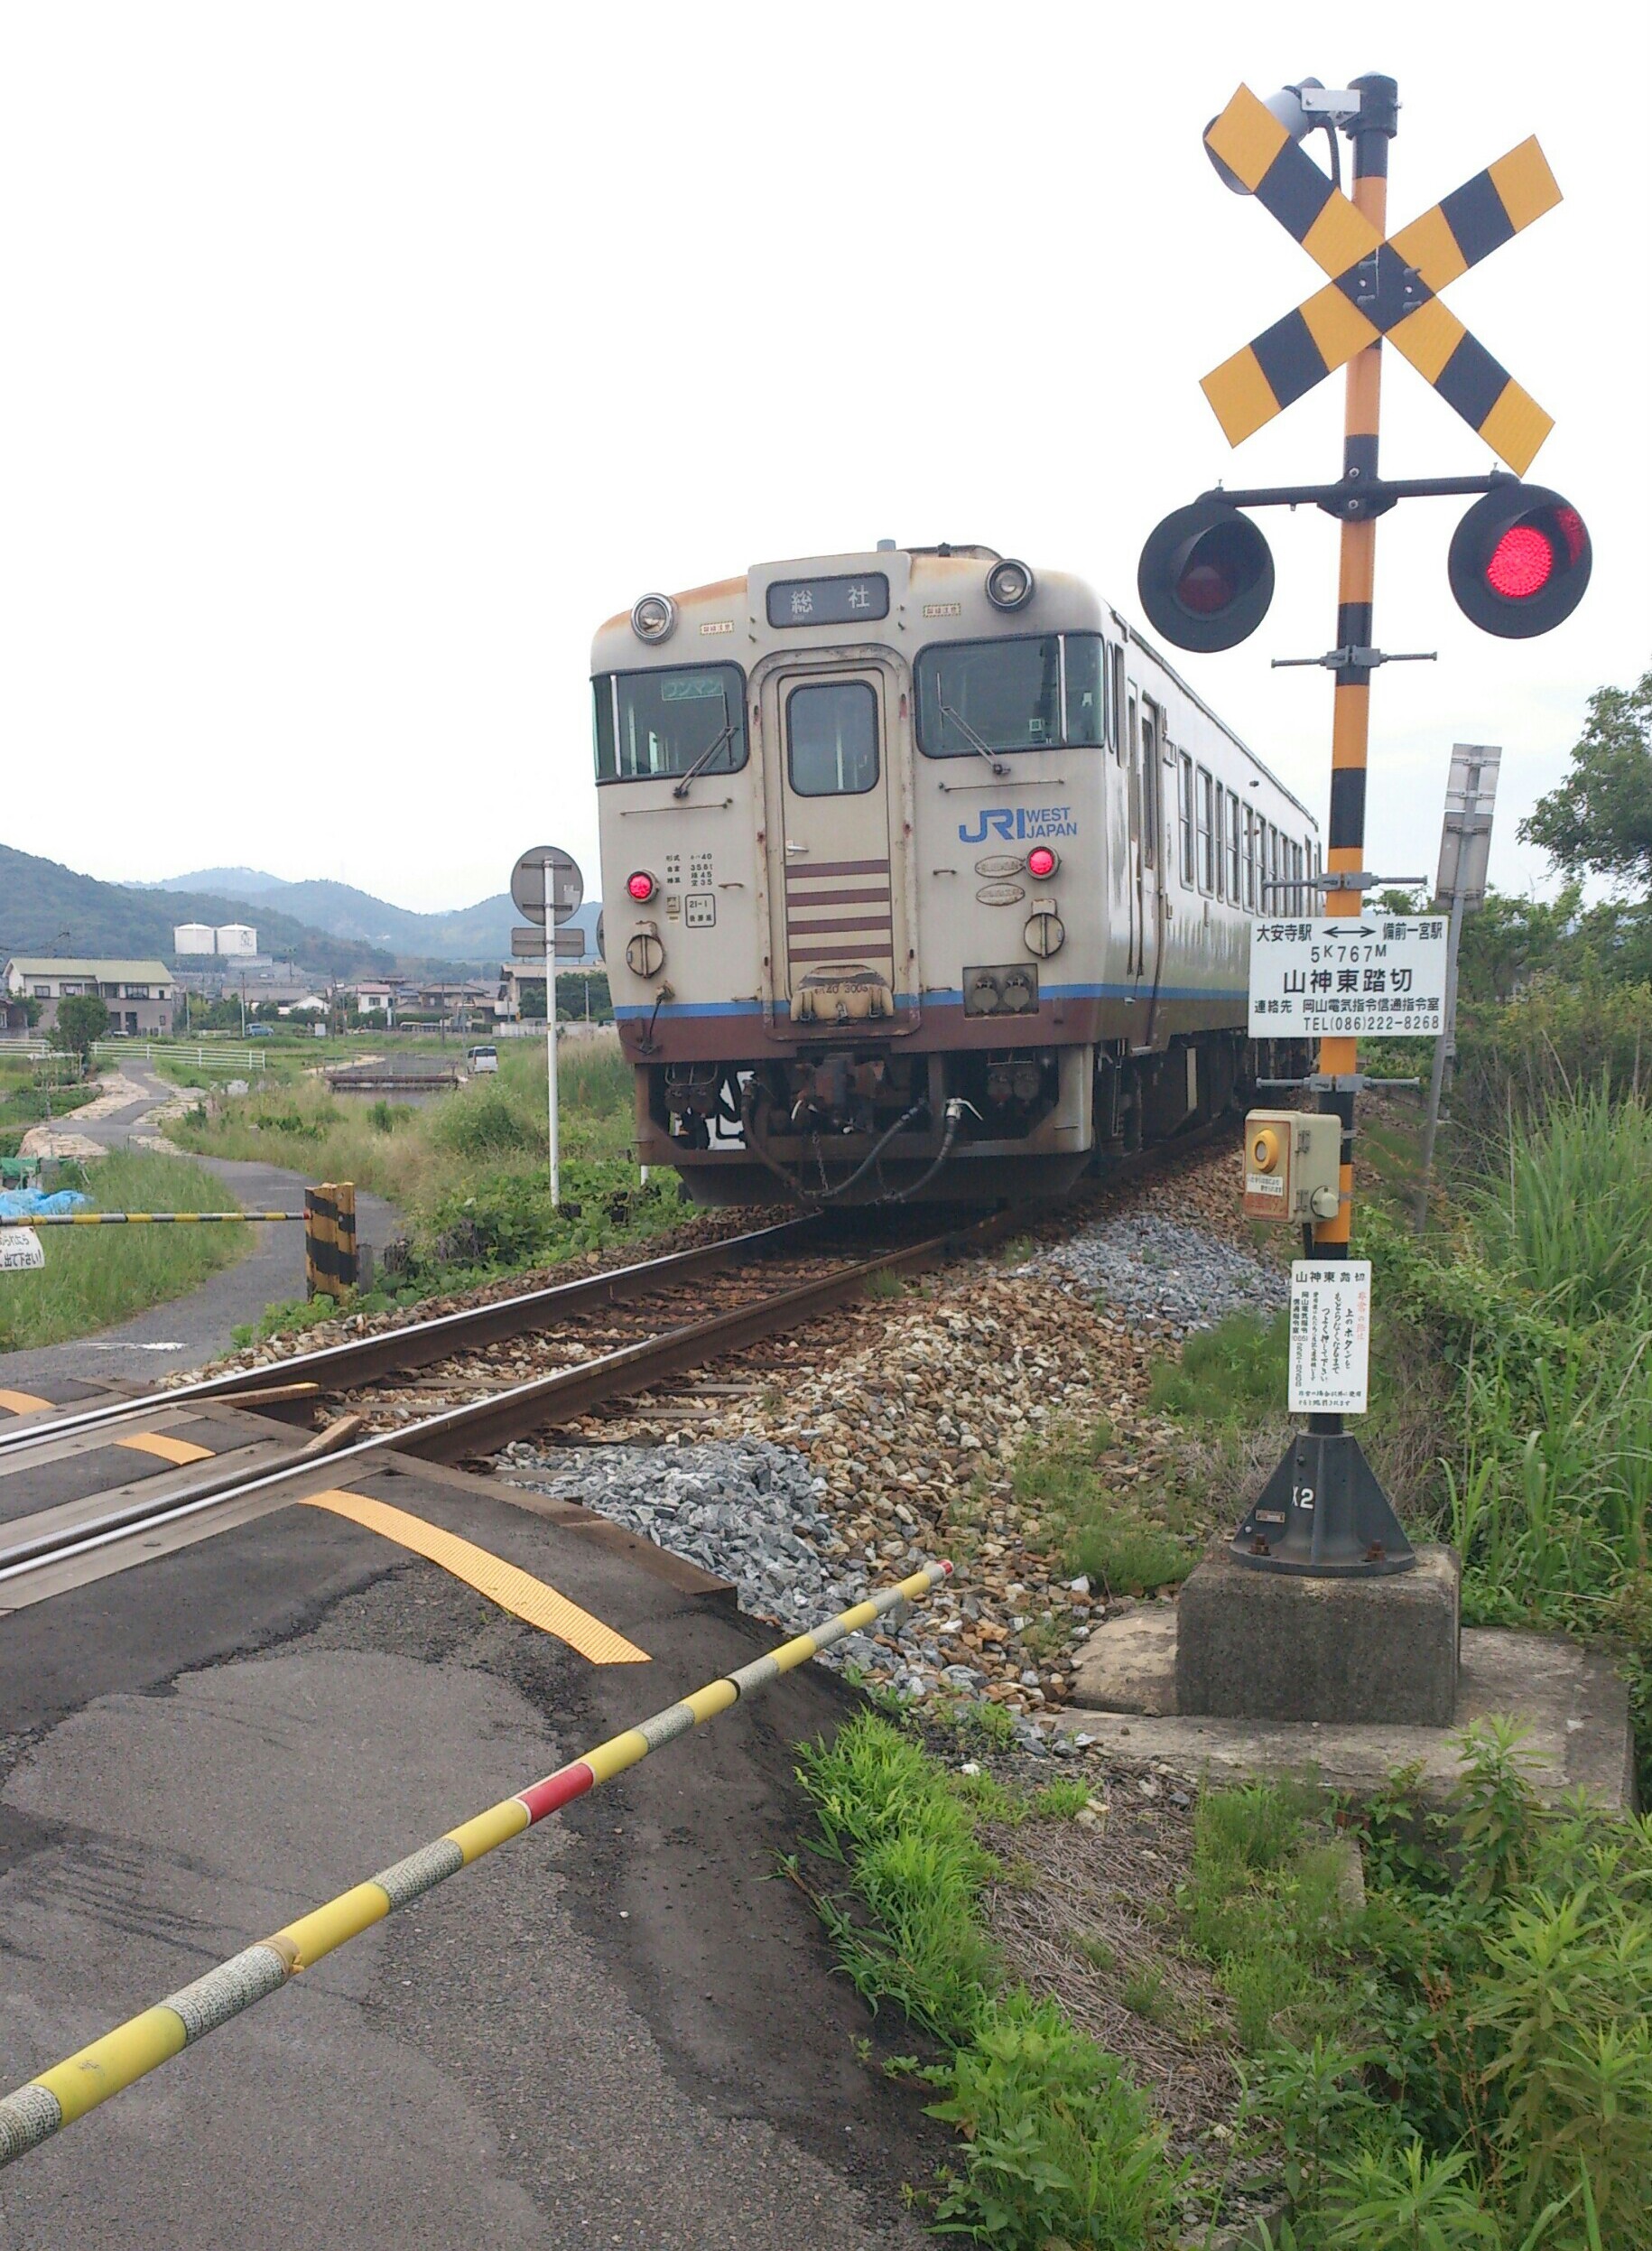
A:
27	1203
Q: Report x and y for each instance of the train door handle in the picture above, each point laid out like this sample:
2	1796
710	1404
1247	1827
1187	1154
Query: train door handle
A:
796	848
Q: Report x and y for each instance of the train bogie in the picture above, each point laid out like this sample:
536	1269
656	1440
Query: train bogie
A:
925	877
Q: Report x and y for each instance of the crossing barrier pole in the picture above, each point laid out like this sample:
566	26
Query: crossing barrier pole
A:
31	2115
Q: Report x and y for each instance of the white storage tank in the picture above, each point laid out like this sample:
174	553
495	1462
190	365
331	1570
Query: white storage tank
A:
194	937
236	937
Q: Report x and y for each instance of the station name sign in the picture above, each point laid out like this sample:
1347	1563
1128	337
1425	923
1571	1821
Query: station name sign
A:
1377	976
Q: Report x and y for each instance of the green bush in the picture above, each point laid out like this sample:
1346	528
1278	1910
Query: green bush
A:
1233	1373
482	1122
1060	2146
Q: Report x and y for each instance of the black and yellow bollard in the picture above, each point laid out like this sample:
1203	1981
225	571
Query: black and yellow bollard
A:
330	1258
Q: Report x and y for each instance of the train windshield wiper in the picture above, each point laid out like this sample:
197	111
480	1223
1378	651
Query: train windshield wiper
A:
973	739
706	756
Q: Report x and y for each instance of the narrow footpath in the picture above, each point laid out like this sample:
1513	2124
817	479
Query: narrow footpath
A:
184	1331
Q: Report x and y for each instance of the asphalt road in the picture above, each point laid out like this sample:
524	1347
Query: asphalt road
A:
621	2029
187	1330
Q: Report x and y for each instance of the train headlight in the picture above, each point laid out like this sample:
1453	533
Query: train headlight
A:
641	887
653	617
1042	862
1009	585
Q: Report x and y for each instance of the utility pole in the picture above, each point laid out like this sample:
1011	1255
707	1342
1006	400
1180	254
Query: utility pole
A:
1465	852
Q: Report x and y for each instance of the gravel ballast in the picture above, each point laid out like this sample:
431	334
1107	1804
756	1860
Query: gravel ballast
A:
1161	1275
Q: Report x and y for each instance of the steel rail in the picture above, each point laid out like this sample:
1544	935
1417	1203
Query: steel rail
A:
365	1359
481	1426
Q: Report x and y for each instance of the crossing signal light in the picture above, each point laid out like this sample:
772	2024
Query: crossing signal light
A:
1206	576
1519	561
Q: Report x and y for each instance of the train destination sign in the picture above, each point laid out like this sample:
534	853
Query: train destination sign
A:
1374	976
1330	1336
829	602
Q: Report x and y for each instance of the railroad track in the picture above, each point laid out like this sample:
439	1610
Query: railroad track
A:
617	1335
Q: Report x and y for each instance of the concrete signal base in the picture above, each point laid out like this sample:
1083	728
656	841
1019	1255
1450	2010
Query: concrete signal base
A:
1291	1646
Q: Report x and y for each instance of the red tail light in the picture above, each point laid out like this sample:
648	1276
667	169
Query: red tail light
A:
1042	862
641	887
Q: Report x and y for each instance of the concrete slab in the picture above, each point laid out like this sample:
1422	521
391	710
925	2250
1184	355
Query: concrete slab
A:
1288	1646
1575	1703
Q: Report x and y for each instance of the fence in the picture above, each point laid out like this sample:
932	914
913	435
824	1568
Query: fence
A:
194	1058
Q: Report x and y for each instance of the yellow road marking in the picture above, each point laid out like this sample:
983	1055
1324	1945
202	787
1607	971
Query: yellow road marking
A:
177	1451
22	1402
501	1582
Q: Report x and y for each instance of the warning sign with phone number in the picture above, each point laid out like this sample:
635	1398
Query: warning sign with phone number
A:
1380	977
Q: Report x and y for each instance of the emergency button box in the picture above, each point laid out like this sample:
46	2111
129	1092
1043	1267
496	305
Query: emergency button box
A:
1293	1166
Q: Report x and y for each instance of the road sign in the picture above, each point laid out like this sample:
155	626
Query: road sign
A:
529	945
1465	838
547	867
1377	289
1368	975
1330	1336
20	1250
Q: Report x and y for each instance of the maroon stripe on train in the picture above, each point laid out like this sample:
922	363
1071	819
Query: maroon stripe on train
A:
837	867
796	929
797	900
846	955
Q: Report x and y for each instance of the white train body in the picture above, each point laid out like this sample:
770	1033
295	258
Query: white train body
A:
910	892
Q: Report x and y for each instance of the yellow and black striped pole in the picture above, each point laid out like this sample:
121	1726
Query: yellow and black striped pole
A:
1338	1058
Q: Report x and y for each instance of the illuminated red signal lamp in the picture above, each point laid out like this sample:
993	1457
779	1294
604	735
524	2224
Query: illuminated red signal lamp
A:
1206	576
1042	862
641	887
1519	561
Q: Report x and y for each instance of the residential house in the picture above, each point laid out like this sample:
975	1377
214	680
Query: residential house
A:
137	994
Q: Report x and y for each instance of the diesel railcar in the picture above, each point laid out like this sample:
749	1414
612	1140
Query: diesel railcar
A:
924	878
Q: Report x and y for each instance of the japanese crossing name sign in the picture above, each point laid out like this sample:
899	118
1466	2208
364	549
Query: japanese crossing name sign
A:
547	870
1376	976
20	1249
1330	1336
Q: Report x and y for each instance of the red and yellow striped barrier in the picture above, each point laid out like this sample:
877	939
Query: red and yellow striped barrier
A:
33	2113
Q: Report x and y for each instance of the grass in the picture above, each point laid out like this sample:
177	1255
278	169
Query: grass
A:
1118	1544
466	1169
1463	2058
95	1276
1056	2144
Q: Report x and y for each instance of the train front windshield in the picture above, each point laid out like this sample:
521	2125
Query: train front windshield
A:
1009	695
690	720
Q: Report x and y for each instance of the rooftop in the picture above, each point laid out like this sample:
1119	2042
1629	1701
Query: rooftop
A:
150	972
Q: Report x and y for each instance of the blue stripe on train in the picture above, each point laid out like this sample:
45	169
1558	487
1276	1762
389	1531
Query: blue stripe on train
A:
954	999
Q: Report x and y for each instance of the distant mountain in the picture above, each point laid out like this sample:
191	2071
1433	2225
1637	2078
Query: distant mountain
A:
231	882
473	935
48	909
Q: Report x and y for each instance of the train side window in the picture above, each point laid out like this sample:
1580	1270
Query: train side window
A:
1233	847
1115	705
602	715
1082	672
1207	850
1185	807
831	739
1250	859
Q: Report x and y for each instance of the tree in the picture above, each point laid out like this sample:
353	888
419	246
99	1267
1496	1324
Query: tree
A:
82	1017
1599	821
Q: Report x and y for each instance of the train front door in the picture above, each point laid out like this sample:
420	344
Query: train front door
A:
837	920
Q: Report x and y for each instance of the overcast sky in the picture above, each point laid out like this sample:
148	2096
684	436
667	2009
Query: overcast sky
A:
361	358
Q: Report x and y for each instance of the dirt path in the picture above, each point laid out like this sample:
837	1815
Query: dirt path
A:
188	1329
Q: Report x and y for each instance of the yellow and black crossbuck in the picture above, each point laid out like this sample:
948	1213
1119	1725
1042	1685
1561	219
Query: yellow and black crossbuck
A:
1378	289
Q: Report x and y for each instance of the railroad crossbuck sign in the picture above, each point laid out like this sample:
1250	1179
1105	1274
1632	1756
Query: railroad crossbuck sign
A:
1377	289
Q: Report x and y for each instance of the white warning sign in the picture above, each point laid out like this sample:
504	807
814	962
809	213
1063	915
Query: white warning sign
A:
1330	1336
1377	976
20	1249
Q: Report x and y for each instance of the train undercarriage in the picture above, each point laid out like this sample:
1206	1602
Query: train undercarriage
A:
852	1124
